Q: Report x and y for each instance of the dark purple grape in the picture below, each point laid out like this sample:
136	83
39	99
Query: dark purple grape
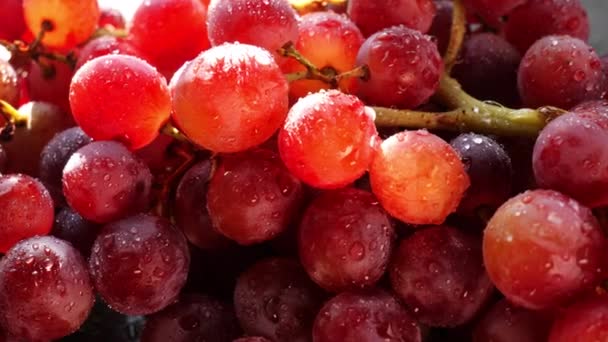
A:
45	290
252	339
252	197
345	240
192	318
190	208
139	264
73	228
55	155
375	315
438	272
276	299
487	68
489	169
508	323
441	28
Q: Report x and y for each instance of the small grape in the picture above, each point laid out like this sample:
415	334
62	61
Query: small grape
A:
105	45
372	16
112	17
73	228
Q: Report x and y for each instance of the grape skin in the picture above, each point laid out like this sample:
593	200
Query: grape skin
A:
50	85
112	17
9	83
12	21
73	228
585	321
372	16
105	45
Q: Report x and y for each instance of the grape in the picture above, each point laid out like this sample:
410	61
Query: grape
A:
73	228
251	339
328	40
9	83
252	197
418	177
438	273
487	68
71	22
12	23
139	264
105	45
372	16
328	139
405	66
111	17
192	318
182	35
585	321
560	71
365	316
539	18
441	28
104	182
27	209
190	208
45	290
507	323
55	155
275	299
101	109
569	155
267	24
542	248
50	84
230	98
489	168
345	240
3	160
492	11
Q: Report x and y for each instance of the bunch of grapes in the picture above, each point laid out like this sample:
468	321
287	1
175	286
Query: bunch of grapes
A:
302	170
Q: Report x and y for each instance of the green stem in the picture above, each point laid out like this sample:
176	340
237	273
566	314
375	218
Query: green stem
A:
456	36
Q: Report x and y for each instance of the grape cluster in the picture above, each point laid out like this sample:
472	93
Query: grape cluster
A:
302	170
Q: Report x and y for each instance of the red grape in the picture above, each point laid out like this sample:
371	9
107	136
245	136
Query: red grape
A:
345	240
508	323
27	209
104	182
560	71
487	68
55	155
190	208
441	28
252	197
45	289
542	248
12	22
105	45
44	121
192	318
328	139
275	299
111	17
139	264
50	83
492	11
328	40
160	155
372	16
122	98
71	22
569	155
585	321
418	177
365	316
230	98
405	66
536	19
252	339
268	24
170	32
489	168
9	83
438	273
73	228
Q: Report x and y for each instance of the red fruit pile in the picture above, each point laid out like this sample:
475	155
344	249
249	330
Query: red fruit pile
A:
301	170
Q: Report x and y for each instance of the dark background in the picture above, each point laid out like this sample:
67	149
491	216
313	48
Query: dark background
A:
598	14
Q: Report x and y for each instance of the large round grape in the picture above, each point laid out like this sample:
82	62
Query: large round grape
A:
585	321
120	97
27	209
405	67
372	16
45	289
542	248
230	98
418	177
139	264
